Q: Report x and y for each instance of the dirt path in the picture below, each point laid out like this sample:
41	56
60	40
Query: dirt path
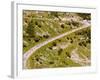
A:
33	49
77	59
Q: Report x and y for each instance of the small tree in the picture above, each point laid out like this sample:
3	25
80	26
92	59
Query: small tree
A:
30	28
60	51
55	14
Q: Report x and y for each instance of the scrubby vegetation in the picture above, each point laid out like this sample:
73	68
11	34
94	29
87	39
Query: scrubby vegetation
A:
72	50
59	53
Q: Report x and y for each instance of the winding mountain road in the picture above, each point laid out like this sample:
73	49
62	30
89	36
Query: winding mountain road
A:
34	48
